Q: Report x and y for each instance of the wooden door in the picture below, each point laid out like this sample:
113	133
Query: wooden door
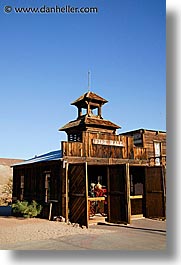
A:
118	194
154	192
78	193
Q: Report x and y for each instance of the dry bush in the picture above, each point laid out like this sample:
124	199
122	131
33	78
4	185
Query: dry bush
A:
6	196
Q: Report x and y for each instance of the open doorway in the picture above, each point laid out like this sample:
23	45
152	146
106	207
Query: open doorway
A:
137	183
97	193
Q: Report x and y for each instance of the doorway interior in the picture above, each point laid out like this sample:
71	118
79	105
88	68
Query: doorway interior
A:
137	190
97	193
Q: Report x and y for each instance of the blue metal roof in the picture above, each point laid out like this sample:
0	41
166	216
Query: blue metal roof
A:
51	156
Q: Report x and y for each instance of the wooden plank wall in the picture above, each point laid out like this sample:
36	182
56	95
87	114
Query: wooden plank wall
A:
150	137
140	152
34	182
73	149
88	149
145	148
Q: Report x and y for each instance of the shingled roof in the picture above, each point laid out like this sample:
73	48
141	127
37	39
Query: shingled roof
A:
90	96
89	121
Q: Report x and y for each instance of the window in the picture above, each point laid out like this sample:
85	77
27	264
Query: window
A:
22	179
47	187
157	151
75	137
136	185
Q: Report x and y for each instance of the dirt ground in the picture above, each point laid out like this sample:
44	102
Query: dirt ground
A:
14	230
41	234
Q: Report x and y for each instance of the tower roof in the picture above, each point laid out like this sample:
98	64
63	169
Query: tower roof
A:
90	120
88	96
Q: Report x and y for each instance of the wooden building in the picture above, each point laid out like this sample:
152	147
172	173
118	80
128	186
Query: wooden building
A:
154	141
93	153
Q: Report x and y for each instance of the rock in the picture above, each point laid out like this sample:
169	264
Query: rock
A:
76	225
59	218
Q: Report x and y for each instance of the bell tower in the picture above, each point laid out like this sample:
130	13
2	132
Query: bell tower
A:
91	103
89	118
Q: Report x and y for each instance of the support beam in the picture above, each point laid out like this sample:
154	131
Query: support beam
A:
128	200
66	193
86	194
108	192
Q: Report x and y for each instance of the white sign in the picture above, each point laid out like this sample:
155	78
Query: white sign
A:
107	142
157	153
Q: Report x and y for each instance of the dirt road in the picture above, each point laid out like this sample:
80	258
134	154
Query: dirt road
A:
39	234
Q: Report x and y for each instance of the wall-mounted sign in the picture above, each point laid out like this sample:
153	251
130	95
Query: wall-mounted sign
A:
137	138
107	142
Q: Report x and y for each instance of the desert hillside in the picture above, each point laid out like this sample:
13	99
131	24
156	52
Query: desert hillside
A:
6	172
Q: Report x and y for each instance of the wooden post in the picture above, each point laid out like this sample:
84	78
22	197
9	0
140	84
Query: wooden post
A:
86	195
88	109
128	194
164	190
85	144
108	194
50	211
79	112
89	144
99	111
66	193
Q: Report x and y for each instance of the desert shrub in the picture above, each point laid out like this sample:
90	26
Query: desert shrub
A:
27	209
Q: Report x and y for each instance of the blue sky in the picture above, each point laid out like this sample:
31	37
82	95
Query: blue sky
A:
44	60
